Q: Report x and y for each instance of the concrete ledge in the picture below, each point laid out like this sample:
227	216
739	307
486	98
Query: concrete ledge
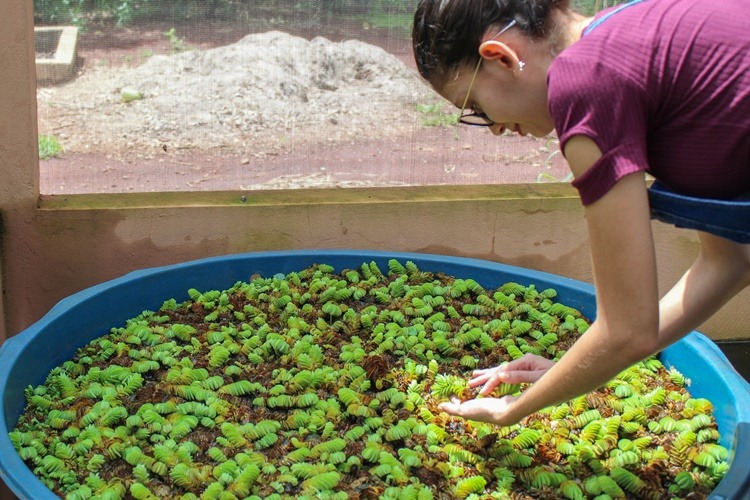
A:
56	49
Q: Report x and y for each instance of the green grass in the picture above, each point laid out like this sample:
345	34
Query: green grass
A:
178	44
49	147
387	20
434	115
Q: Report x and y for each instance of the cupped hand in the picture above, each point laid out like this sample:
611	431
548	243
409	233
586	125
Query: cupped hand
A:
526	369
491	410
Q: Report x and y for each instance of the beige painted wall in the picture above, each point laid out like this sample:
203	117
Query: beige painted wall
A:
82	240
74	242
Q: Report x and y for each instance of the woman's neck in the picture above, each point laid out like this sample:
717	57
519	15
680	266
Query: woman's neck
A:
570	26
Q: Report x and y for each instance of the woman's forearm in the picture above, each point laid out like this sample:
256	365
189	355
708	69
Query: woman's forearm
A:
595	358
627	324
721	271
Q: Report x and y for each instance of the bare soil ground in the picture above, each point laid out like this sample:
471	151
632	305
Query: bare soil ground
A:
354	122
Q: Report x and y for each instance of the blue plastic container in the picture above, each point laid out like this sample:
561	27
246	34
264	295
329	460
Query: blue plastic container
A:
27	358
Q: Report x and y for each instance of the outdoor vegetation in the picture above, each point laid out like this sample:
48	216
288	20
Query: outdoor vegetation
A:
384	13
128	11
49	147
318	384
126	109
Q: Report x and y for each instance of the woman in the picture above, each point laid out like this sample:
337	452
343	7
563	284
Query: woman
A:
657	86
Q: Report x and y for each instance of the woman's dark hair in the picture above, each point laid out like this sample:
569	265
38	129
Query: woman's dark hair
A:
447	33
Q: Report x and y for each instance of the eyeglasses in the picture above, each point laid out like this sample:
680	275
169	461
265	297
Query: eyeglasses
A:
472	117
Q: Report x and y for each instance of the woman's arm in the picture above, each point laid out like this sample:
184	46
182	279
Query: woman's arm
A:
626	328
631	323
624	266
721	271
627	323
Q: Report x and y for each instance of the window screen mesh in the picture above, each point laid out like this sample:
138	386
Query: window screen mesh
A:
178	95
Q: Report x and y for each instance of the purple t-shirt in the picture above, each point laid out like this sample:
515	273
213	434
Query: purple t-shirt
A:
661	86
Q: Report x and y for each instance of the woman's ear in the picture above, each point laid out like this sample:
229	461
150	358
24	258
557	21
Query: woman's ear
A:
495	50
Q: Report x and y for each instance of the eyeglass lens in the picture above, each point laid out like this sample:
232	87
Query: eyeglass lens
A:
478	119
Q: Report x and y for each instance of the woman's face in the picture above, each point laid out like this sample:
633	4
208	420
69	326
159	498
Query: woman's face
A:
514	100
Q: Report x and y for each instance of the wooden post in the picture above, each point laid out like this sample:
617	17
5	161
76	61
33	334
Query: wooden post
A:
19	188
3	321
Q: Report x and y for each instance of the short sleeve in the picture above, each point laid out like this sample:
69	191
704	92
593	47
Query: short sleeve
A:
587	97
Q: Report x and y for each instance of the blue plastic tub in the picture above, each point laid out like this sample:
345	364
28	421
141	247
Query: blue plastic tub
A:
27	358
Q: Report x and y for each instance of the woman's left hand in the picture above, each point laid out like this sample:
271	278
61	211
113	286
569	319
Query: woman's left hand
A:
491	410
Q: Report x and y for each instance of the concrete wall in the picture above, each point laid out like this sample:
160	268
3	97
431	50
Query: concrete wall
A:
78	241
69	243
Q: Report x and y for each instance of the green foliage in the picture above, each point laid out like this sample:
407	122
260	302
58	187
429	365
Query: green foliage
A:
589	7
400	21
435	115
141	492
294	402
469	485
446	385
526	439
49	147
185	476
322	482
60	11
175	42
79	12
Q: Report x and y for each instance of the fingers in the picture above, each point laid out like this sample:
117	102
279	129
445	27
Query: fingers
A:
482	375
521	377
501	375
463	410
452	407
488	381
526	369
483	371
483	410
526	362
482	378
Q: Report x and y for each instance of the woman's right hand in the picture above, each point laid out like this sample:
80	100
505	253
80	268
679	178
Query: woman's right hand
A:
526	369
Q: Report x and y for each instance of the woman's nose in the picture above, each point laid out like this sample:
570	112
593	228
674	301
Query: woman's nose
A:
497	129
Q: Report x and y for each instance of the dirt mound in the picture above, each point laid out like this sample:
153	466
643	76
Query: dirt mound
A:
264	93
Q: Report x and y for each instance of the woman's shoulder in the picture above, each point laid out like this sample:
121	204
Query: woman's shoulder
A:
651	40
